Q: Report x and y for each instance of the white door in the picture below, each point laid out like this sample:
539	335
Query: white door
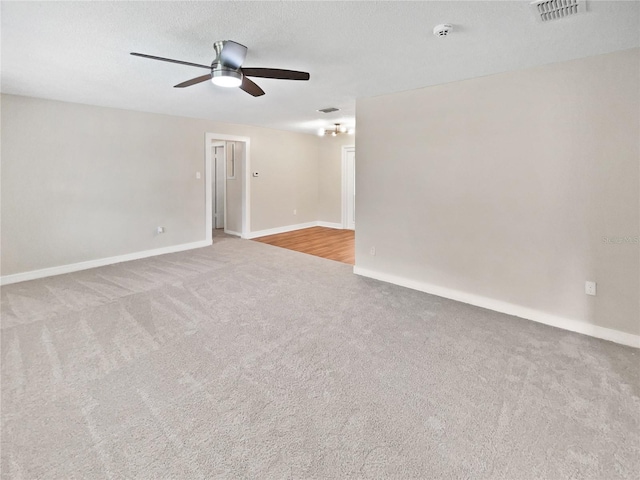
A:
218	179
349	188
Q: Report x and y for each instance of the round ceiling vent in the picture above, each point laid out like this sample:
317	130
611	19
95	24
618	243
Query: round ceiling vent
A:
442	30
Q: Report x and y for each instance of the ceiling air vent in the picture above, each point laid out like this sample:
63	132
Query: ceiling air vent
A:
547	10
328	109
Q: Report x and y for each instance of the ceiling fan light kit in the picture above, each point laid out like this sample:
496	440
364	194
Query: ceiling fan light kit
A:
226	69
226	77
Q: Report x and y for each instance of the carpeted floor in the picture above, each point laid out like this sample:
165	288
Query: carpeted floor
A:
244	360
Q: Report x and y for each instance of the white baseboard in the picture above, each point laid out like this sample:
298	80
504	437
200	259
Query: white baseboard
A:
101	262
330	225
287	228
291	228
508	308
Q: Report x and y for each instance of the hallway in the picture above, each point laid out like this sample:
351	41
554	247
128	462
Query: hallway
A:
324	242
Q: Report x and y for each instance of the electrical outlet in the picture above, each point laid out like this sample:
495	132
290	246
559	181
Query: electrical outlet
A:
372	251
590	288
160	230
295	211
198	176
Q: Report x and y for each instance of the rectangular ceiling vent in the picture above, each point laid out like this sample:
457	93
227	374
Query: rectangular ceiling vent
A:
328	109
547	10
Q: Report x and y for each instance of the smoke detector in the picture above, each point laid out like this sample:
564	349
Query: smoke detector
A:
547	10
442	30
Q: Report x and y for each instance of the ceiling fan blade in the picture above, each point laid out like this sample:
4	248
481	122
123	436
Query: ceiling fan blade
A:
276	73
232	54
193	81
251	88
170	60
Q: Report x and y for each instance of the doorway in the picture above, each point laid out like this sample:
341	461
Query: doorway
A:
227	193
349	187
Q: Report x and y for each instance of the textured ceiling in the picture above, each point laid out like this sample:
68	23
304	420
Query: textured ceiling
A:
79	51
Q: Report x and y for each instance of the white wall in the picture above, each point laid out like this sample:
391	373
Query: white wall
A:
82	183
502	188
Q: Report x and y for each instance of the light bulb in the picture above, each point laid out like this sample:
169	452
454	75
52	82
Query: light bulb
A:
321	132
333	134
343	129
351	131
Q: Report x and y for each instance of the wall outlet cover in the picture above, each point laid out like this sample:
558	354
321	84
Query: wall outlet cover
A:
590	288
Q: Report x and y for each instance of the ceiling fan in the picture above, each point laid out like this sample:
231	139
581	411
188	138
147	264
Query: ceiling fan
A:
226	69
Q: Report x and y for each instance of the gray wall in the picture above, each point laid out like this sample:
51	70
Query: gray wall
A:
234	186
287	181
83	183
330	177
504	187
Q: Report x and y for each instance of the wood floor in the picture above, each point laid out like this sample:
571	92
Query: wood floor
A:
322	242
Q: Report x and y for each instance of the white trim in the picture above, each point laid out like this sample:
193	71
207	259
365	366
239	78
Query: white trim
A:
343	197
329	224
101	262
508	308
211	168
291	228
286	228
246	186
208	192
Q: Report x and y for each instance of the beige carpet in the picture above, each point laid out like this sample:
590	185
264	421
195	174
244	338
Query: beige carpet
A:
244	360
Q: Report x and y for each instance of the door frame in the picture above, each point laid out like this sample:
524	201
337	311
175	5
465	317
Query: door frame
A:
345	215
210	139
222	144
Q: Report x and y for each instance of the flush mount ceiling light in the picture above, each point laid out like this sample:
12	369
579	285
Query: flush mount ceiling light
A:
336	130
